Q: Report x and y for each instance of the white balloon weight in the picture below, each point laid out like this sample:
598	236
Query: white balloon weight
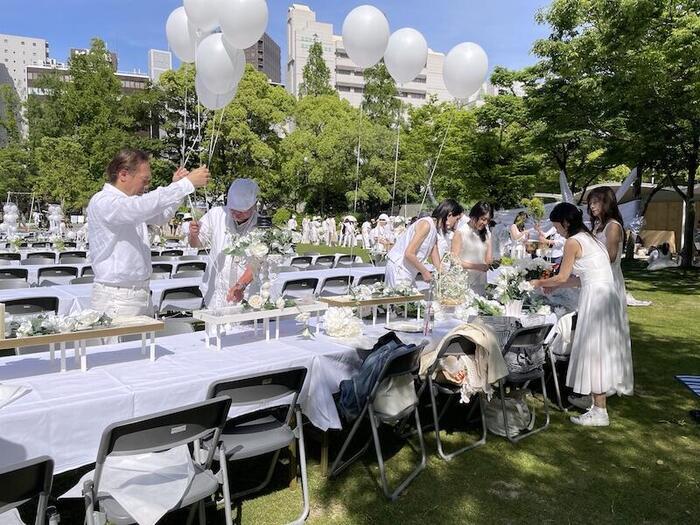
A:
211	100
219	65
203	14
365	35
464	69
243	22
181	35
406	54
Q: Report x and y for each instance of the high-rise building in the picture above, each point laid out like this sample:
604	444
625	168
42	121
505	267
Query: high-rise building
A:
303	30
265	57
16	53
158	63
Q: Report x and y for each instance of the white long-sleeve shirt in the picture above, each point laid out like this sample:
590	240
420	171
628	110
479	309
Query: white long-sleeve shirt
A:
120	251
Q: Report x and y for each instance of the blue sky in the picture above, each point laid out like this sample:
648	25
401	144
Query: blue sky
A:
504	28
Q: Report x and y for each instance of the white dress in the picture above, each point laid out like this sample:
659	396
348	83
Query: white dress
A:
600	360
397	267
474	251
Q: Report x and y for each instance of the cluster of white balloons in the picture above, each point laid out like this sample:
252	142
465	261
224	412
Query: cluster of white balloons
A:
55	215
194	36
10	215
366	39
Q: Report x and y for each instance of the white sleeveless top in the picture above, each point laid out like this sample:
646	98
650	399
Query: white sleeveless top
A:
396	254
593	267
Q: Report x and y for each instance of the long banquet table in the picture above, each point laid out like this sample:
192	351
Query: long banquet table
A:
64	414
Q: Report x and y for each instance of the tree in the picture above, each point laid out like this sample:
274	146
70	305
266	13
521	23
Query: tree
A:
380	99
10	114
15	171
317	76
93	119
62	173
249	132
636	69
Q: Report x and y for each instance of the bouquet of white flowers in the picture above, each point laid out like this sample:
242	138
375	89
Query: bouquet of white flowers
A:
260	243
57	242
511	286
536	268
342	323
452	284
482	305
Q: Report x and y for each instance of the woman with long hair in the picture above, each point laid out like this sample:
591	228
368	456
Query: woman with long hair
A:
406	259
597	365
471	246
519	235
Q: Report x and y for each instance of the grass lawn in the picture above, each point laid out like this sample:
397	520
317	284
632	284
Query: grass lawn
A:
644	468
301	249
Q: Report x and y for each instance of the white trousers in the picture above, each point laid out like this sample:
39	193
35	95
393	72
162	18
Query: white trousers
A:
122	301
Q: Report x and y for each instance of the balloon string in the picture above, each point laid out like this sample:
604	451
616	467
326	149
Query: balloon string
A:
396	159
183	160
437	159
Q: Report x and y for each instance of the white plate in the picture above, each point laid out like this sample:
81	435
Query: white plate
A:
412	327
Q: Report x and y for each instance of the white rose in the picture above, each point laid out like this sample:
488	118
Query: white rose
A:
303	317
544	310
258	250
525	286
256	302
280	304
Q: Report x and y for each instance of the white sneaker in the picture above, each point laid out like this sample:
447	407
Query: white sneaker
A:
582	402
595	417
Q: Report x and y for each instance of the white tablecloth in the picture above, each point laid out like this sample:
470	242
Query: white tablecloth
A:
64	415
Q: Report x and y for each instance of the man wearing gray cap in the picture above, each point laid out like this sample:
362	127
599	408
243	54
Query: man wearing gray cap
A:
224	279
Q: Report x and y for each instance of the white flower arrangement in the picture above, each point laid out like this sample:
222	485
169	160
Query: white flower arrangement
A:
263	300
365	292
453	283
536	268
484	306
262	242
44	324
256	302
342	323
57	242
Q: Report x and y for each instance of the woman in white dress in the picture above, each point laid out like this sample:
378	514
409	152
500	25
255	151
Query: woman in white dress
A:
471	246
607	226
519	235
598	365
406	259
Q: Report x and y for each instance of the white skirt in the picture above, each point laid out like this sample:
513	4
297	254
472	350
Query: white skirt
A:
397	273
601	360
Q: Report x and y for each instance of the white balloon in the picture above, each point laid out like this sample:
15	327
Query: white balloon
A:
220	65
365	35
182	37
203	13
243	22
211	100
464	69
406	54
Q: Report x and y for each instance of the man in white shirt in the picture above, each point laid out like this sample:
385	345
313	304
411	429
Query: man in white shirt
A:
120	251
382	236
226	280
292	223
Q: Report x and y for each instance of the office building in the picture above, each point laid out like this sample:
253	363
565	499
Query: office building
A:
303	30
265	57
16	53
158	63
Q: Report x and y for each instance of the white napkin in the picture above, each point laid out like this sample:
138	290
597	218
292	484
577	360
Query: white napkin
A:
11	517
146	485
9	393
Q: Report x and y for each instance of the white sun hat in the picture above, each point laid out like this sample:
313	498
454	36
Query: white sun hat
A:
242	194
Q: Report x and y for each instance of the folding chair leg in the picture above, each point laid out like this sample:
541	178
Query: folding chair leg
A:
393	496
436	422
202	513
555	376
223	464
339	465
302	465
